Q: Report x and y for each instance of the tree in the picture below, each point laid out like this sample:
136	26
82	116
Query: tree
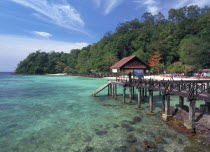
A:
177	68
195	51
193	11
177	15
60	67
154	61
148	18
159	18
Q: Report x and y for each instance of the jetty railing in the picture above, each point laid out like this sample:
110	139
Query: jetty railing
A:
192	90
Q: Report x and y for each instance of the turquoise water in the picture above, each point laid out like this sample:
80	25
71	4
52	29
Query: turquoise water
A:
57	113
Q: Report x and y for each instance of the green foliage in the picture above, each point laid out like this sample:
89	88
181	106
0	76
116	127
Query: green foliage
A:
41	63
195	51
178	68
183	36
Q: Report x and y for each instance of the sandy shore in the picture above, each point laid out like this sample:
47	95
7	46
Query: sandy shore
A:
113	78
58	74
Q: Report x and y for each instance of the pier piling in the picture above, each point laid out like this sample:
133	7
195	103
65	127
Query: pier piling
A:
163	103
145	93
112	87
142	92
166	116
150	102
124	94
139	98
181	101
130	95
133	92
115	91
191	124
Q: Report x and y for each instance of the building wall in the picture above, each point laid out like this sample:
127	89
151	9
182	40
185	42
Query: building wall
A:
135	64
114	70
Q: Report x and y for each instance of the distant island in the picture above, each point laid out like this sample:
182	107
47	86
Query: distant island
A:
183	37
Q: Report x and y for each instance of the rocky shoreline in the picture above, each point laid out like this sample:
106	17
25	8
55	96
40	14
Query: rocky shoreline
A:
202	125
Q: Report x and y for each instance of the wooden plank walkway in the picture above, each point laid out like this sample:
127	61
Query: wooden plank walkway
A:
193	90
101	88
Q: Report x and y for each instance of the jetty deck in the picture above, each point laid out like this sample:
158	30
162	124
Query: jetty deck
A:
192	90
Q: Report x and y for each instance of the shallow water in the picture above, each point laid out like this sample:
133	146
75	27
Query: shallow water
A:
57	113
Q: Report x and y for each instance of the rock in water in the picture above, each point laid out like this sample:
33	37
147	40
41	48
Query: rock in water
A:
131	139
147	144
132	149
88	149
160	140
101	132
136	119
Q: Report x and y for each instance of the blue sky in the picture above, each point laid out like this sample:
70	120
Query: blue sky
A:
62	25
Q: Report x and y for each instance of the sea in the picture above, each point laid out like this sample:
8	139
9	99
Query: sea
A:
42	113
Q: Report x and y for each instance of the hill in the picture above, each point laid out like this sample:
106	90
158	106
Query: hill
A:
184	37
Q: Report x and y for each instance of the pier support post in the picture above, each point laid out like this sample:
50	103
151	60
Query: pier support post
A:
142	92
115	91
139	98
112	90
207	85
108	90
208	106
166	116
124	94
130	95
191	124
163	103
145	93
133	92
181	101
150	102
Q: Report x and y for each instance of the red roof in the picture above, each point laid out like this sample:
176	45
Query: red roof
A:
205	70
124	61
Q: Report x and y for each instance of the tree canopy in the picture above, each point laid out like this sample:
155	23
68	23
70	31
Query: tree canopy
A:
184	36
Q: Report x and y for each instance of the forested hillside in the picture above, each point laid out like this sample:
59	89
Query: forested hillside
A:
184	36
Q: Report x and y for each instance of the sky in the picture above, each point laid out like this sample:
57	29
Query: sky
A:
62	25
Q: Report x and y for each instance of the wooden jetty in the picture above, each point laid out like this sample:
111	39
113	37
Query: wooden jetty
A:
101	88
191	90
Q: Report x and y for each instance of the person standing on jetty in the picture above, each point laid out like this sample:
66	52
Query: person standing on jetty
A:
198	76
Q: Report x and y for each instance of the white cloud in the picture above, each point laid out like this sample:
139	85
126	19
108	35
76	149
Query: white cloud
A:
107	5
149	2
182	3
150	5
60	12
43	34
13	49
155	6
